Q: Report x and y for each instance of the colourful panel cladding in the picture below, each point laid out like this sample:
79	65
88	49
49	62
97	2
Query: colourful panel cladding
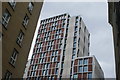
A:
47	49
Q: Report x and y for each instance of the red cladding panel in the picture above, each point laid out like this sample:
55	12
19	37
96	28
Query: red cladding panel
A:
75	69
58	58
80	76
76	62
48	59
57	46
85	76
49	71
40	72
59	52
53	70
37	72
89	67
90	60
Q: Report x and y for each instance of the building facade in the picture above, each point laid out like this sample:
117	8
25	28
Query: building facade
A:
60	40
114	20
19	21
26	69
87	67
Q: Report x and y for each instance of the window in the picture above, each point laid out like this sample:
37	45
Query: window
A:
46	72
60	45
62	65
53	54
75	39
8	75
14	57
55	58
80	62
48	65
12	3
71	63
25	21
85	68
89	75
78	42
74	44
31	61
73	56
52	77
80	69
57	65
30	6
43	72
75	76
52	59
75	34
56	53
45	66
56	71
31	73
5	18
20	38
85	61
61	72
36	66
40	60
75	28
74	51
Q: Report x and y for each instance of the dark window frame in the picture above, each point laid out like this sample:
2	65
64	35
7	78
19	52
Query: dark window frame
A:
30	10
8	75
12	4
25	21
6	21
12	57
20	41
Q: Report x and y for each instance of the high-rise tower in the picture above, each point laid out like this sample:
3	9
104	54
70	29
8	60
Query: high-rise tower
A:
60	40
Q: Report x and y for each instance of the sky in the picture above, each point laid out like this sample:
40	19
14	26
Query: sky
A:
95	17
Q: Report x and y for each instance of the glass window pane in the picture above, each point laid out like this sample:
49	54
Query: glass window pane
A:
26	20
85	61
30	6
75	76
80	62
12	3
80	69
20	37
5	18
85	68
90	75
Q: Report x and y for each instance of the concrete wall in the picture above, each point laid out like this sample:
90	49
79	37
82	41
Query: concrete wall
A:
69	46
97	70
69	49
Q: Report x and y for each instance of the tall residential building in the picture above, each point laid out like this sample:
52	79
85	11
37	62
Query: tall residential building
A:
60	40
114	20
19	21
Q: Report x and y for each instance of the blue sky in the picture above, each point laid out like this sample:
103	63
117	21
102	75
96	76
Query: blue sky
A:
95	16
